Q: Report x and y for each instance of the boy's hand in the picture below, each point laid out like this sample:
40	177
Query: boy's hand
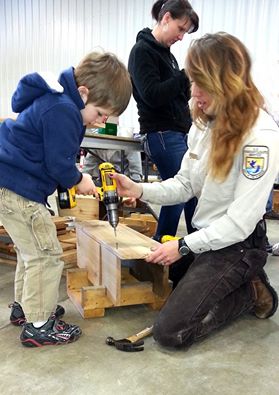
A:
86	186
127	187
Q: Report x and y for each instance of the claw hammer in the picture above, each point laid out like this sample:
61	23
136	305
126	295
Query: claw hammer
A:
132	343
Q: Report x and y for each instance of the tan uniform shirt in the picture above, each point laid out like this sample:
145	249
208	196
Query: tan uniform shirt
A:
227	212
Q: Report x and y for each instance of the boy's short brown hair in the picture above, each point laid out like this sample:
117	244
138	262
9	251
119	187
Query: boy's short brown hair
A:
107	80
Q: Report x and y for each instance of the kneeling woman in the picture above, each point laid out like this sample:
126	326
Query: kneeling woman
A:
230	167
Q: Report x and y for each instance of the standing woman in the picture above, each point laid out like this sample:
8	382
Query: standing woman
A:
162	92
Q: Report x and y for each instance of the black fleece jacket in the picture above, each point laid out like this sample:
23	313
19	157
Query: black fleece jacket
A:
160	89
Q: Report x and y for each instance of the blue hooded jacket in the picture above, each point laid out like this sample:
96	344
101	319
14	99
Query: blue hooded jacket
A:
38	150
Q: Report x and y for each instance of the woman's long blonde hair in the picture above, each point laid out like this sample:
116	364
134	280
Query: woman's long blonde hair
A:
220	65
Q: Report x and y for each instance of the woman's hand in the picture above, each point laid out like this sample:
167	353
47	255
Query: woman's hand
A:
129	202
86	186
165	254
127	187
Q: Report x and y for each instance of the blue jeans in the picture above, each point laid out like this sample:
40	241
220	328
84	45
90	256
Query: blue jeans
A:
166	150
269	203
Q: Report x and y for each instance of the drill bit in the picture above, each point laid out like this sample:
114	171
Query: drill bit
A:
116	243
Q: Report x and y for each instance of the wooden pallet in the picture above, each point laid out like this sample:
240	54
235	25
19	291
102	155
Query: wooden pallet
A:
142	223
113	274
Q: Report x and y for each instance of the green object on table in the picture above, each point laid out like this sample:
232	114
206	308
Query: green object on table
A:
111	128
102	131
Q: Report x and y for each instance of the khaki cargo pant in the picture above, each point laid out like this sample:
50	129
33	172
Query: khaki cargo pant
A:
39	267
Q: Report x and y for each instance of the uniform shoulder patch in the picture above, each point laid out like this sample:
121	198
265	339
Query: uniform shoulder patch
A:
255	161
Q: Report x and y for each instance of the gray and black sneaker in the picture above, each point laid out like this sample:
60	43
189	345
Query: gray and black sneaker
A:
17	316
53	332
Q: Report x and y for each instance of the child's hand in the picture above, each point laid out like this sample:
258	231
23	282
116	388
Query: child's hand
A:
87	186
127	187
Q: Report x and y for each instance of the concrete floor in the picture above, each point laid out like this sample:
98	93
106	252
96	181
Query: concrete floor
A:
242	359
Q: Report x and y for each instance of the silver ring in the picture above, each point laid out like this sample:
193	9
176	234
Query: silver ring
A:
161	263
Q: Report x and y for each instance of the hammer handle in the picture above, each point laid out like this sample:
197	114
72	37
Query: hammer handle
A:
140	335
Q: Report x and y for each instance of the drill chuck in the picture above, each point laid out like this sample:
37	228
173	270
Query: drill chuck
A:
111	202
113	217
109	193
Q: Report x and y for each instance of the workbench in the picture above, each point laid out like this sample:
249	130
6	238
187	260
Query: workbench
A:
93	140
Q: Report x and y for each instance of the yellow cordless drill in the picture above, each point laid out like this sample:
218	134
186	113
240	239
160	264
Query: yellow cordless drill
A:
166	238
108	193
66	197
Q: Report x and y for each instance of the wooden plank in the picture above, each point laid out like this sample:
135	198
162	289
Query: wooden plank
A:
7	248
9	257
60	223
76	279
111	274
67	246
93	260
95	297
128	244
144	216
140	292
93	313
69	237
69	256
88	256
139	224
8	261
61	231
87	208
85	311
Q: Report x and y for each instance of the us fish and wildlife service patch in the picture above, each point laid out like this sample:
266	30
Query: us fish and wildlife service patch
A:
255	161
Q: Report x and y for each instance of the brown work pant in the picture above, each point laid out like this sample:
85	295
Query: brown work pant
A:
215	290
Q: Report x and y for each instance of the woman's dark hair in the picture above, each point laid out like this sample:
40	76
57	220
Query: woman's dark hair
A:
178	9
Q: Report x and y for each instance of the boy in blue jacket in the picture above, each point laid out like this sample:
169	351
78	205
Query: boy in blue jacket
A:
37	153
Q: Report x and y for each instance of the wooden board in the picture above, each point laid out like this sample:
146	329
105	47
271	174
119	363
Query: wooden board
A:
87	208
113	271
68	238
142	223
128	244
59	222
88	256
111	275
